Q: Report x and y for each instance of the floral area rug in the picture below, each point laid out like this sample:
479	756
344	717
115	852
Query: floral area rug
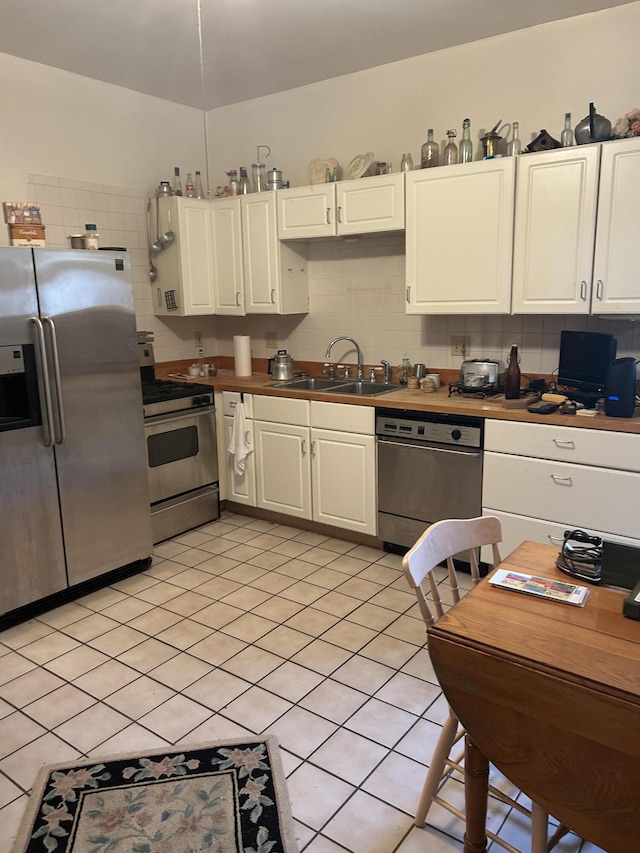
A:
227	797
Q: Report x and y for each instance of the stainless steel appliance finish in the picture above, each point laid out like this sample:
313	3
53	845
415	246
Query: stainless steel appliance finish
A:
182	456
476	373
429	468
74	492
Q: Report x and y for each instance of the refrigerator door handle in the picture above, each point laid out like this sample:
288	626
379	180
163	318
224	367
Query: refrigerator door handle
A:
62	438
47	426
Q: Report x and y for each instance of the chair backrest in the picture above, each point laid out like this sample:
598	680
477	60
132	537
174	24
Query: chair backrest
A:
440	542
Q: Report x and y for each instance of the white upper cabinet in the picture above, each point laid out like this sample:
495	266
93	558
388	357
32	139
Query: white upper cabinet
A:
275	273
184	283
615	269
576	230
556	196
459	238
226	250
362	206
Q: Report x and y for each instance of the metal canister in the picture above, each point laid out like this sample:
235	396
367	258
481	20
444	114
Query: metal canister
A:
76	241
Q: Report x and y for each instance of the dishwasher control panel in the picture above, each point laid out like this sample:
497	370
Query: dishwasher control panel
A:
429	428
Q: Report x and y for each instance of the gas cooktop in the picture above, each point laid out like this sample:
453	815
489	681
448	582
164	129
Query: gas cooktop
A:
157	390
480	391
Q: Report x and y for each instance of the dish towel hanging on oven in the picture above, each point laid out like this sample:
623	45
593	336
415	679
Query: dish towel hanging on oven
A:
238	446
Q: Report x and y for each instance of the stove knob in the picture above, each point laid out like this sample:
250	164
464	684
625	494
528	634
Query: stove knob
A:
456	435
200	401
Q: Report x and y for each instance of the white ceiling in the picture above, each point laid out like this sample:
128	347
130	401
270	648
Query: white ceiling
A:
252	48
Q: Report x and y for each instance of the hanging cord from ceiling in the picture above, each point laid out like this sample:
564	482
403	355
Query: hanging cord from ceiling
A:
204	103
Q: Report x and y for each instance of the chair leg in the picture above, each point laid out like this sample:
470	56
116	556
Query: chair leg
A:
539	828
436	768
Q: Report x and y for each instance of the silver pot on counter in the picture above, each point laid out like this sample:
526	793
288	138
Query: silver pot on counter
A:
281	366
480	374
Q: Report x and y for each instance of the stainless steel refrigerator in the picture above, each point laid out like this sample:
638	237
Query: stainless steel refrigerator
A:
74	501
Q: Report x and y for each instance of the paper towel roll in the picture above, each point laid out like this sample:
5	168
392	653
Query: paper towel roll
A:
242	354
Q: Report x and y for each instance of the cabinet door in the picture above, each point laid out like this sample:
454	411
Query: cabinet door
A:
555	223
260	253
241	488
615	272
226	251
459	223
283	469
305	212
344	480
371	204
196	268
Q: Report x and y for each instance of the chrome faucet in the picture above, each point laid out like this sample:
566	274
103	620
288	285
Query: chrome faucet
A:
358	350
387	369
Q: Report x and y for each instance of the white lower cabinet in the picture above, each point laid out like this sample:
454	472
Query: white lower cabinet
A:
316	460
541	480
240	488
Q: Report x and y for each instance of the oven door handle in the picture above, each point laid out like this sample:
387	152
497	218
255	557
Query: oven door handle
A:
460	451
173	417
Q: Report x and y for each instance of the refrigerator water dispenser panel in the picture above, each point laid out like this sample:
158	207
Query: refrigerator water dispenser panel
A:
19	406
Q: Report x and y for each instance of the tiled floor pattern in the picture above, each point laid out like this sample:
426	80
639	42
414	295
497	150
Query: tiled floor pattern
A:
244	626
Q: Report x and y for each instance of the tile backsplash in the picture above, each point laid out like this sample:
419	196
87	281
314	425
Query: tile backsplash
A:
357	288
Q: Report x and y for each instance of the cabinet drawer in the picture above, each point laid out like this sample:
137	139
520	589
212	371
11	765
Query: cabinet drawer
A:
567	444
517	528
230	399
578	495
342	416
281	410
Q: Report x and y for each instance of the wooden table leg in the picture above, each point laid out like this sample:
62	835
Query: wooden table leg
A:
476	792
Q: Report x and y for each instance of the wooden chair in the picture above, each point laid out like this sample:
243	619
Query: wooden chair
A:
439	543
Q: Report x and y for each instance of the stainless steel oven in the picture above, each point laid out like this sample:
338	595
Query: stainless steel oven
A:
429	468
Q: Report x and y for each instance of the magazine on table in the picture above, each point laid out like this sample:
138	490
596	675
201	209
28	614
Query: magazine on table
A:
552	590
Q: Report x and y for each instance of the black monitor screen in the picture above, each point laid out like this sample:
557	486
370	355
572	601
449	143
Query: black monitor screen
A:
584	359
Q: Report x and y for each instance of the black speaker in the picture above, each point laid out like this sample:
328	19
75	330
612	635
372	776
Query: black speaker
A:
620	388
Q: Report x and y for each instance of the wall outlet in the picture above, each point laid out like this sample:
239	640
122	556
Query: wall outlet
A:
461	345
197	336
271	340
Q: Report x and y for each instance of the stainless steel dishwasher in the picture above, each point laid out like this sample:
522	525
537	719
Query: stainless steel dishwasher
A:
429	468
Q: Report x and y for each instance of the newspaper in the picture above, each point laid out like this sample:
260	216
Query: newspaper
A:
553	590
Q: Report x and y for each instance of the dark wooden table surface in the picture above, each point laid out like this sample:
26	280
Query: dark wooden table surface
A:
550	694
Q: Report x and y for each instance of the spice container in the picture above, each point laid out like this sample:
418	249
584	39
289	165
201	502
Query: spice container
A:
91	237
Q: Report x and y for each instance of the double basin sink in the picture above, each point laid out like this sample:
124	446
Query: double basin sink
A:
359	387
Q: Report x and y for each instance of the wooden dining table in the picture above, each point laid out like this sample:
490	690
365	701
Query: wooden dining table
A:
550	694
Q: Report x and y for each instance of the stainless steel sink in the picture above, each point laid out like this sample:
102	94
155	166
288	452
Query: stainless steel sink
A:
363	388
360	387
309	383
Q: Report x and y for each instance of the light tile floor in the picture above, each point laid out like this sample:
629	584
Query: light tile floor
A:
244	626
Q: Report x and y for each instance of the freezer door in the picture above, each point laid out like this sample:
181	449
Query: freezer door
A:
31	552
86	306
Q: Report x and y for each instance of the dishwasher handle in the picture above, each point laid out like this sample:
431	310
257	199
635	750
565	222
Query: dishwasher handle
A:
433	448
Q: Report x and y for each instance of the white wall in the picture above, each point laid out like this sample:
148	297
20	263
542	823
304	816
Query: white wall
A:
532	76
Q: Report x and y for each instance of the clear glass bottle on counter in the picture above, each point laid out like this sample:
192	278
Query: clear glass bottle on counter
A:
451	149
512	376
515	146
244	188
198	189
404	371
407	163
189	188
177	183
566	137
466	146
91	237
430	152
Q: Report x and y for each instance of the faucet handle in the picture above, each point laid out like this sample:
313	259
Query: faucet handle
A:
373	371
329	369
346	370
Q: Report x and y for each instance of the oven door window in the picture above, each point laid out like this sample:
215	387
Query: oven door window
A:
172	446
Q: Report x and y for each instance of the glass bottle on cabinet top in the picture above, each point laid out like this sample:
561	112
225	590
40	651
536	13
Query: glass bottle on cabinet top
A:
243	186
199	191
451	149
515	146
407	163
430	152
189	189
177	183
566	137
466	146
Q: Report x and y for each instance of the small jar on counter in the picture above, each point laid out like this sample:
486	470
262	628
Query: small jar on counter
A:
91	237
